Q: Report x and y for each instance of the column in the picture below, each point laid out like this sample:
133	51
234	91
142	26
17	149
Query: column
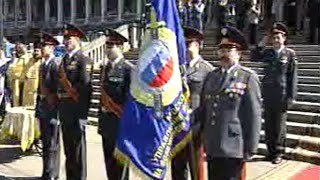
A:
73	11
16	11
60	13
5	9
46	11
28	12
103	9
120	9
88	11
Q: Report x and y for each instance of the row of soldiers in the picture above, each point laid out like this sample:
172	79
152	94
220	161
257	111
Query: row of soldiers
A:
226	103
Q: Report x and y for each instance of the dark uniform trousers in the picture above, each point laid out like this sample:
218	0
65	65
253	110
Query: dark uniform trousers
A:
232	120
279	87
115	82
190	155
73	115
47	115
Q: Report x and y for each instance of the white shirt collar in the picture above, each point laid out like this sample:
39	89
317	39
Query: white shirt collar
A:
73	52
194	61
46	62
278	51
230	69
114	62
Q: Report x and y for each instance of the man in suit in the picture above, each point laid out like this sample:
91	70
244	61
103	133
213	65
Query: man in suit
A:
279	88
197	70
47	108
74	94
115	79
231	110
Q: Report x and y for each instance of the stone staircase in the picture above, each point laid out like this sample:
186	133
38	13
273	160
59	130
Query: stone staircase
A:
303	125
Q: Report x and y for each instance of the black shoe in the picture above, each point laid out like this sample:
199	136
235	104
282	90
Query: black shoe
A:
269	158
277	160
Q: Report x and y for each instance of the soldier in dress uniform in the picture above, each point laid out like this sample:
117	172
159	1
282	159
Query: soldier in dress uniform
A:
74	95
196	73
46	108
279	88
115	81
231	110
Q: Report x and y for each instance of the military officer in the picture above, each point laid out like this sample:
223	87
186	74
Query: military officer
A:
231	102
115	87
279	87
74	94
197	70
46	108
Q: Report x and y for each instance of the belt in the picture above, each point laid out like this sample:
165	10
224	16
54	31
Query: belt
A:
63	96
105	110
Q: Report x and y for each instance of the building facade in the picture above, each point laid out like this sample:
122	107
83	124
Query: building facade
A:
19	15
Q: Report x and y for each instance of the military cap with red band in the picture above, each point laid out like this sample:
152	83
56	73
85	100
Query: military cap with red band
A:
72	30
192	34
114	37
48	39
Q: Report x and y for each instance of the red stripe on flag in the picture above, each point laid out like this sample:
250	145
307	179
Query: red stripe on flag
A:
164	75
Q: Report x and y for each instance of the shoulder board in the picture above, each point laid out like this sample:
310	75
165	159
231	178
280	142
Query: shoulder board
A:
128	64
247	70
207	64
291	51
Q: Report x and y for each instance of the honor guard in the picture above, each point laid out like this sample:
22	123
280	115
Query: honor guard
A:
197	70
231	102
115	81
46	107
279	88
74	94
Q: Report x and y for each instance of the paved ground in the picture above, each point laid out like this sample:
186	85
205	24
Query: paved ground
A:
13	165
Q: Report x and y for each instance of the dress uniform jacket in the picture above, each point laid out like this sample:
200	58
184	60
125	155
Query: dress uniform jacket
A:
73	114
280	80
231	113
46	112
196	75
116	82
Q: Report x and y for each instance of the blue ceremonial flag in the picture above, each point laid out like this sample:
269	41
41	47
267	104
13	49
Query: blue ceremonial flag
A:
155	123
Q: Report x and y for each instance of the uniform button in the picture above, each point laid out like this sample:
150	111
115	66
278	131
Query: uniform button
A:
231	95
215	105
217	96
213	114
213	123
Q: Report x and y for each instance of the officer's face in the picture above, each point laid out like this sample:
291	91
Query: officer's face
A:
72	43
278	40
228	53
47	50
193	47
112	50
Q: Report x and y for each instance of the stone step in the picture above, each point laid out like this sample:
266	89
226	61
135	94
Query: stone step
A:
303	129
303	117
297	154
297	48
305	107
312	88
301	72
309	97
212	57
308	80
294	141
